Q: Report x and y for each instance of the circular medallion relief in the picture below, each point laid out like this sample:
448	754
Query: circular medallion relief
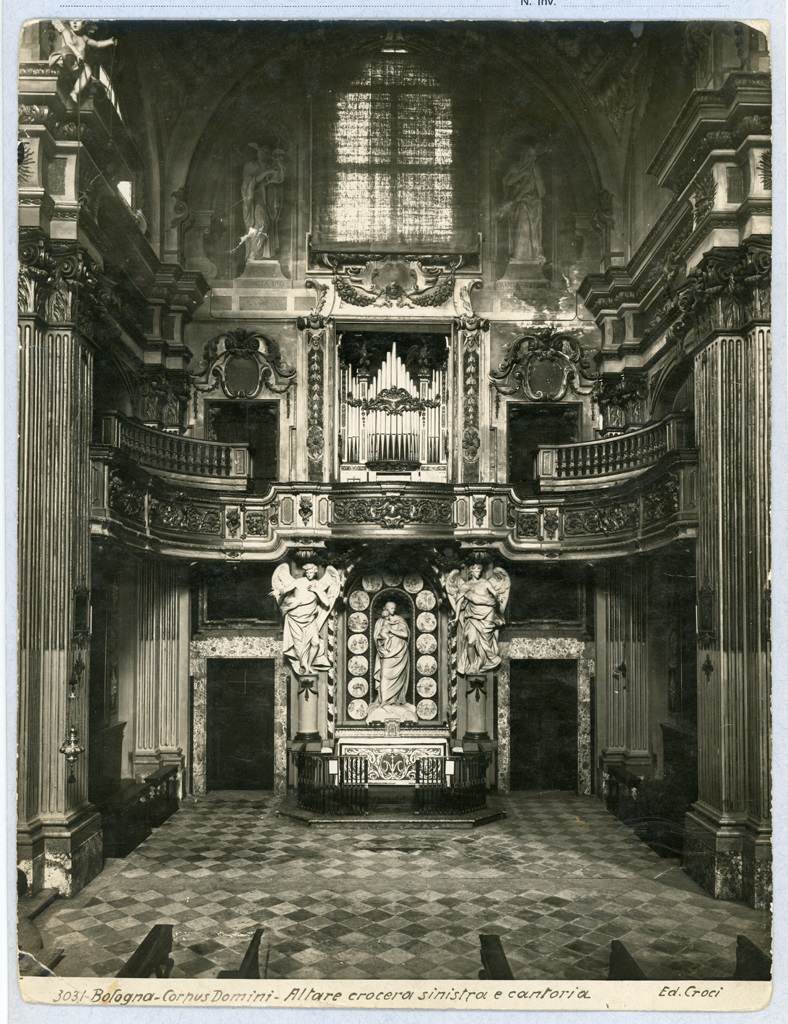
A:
359	600
392	579
358	643
426	643
358	709
426	687
425	600
426	709
413	582
358	621
371	582
358	687
358	666
426	622
427	665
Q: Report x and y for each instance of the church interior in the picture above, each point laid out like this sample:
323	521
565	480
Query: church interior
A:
394	487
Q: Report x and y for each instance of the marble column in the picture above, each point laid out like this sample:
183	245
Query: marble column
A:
59	832
728	842
161	673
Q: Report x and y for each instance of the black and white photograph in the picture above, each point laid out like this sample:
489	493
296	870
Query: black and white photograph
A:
393	533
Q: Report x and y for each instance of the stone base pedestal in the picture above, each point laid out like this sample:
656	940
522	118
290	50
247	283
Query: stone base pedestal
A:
260	271
476	704
529	273
62	855
307	710
757	886
713	854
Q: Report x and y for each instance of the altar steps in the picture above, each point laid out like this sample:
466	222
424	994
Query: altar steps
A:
393	814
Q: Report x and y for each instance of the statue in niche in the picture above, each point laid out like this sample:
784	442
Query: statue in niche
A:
524	189
392	668
71	52
305	603
479	602
261	192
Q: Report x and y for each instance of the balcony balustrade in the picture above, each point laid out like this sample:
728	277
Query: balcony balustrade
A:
611	460
182	460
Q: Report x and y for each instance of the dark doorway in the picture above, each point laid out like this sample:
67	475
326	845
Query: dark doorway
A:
530	425
252	423
240	723
543	721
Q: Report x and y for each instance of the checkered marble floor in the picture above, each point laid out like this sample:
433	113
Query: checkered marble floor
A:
558	879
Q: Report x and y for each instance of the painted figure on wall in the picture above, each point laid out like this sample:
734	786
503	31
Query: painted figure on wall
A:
392	667
479	602
261	192
524	190
305	602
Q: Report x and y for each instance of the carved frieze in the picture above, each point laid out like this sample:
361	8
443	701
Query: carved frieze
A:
543	366
603	517
184	516
393	512
243	363
126	497
661	500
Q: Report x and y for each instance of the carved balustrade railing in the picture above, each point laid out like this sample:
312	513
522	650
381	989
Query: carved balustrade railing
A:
650	509
591	464
184	460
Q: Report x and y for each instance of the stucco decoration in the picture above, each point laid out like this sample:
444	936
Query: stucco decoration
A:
236	647
527	648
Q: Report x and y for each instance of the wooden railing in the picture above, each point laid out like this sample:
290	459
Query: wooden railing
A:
590	463
752	964
439	792
176	456
321	791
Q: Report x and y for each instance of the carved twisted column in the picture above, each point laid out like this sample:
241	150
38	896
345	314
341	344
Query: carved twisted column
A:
727	848
59	832
471	358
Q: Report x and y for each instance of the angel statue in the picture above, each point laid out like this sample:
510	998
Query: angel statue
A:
305	602
479	602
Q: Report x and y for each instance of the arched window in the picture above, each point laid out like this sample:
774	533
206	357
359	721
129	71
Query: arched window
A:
389	169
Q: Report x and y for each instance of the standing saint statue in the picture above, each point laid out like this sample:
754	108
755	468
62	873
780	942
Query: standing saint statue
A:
261	192
479	603
305	602
392	668
524	189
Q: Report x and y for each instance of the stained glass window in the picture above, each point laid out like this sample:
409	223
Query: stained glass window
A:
389	170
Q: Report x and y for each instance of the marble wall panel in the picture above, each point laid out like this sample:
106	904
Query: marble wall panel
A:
237	647
569	648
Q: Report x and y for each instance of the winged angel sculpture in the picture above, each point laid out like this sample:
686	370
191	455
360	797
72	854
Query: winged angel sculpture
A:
479	602
305	603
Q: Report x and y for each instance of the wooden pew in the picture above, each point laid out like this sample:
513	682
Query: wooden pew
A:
495	966
250	965
623	966
752	964
152	956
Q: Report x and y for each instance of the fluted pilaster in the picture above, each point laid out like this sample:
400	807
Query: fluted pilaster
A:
161	668
60	841
729	827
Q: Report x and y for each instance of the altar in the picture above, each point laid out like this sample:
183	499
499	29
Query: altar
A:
391	760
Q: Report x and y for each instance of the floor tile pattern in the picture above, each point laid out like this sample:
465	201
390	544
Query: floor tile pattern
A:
558	879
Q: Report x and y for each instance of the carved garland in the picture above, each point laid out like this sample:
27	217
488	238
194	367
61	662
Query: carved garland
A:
393	280
471	328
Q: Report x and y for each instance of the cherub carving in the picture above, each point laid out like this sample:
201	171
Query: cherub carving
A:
72	50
